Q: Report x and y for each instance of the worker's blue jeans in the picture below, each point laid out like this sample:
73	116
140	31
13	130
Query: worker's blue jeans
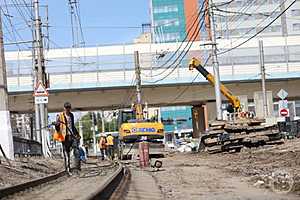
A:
111	153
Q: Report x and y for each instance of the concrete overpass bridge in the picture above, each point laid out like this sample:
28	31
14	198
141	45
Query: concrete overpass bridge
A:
102	77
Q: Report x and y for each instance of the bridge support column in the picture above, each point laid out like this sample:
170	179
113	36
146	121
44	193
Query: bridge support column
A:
6	139
200	120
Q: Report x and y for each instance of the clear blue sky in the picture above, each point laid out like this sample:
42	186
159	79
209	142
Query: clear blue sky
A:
99	13
94	14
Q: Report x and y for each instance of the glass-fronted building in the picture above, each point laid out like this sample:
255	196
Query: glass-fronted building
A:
245	18
177	118
242	18
172	19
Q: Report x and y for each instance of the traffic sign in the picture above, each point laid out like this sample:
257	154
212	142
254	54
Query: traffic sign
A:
284	112
40	100
40	90
283	104
282	94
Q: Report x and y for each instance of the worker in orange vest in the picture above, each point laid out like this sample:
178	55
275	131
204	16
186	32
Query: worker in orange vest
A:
102	146
67	133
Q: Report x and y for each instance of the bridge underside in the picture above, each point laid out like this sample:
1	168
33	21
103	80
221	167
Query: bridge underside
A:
110	98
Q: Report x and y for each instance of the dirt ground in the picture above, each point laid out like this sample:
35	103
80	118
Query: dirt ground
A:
26	169
267	173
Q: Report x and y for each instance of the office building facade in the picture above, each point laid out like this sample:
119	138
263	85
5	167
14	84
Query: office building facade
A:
171	19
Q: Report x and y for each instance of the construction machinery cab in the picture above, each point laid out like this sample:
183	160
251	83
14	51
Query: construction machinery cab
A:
125	116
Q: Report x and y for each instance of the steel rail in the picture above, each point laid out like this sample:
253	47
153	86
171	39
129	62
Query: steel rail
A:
110	185
116	181
4	192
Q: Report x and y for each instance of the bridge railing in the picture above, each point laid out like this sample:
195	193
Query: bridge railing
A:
113	66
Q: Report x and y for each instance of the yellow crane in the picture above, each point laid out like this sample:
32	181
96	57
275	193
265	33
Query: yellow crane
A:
234	100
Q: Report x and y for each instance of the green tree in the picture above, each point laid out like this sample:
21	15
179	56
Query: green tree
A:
86	128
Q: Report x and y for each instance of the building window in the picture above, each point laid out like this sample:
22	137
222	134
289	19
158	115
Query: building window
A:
165	9
171	36
271	29
276	110
297	108
296	27
167	22
295	12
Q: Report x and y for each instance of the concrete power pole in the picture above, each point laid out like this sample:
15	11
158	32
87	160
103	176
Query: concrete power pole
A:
6	140
263	77
139	109
215	63
94	133
102	122
81	131
41	112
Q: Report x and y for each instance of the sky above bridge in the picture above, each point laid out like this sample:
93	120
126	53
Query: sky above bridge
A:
102	21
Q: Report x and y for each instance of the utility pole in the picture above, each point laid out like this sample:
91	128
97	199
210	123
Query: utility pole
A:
263	76
139	109
215	63
94	133
144	145
41	109
6	141
102	122
81	131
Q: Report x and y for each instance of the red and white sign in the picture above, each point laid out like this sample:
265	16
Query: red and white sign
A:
40	90
283	108
40	94
284	112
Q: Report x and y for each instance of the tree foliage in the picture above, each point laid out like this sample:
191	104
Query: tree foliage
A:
87	126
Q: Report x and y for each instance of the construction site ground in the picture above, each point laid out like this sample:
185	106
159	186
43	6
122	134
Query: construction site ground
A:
245	175
24	169
250	174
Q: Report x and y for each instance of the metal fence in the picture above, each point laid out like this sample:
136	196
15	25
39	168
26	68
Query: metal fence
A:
110	66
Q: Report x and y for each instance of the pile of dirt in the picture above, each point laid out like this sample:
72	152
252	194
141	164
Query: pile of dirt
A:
266	172
267	165
26	169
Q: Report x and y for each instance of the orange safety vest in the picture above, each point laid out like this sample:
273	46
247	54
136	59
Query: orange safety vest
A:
102	143
61	134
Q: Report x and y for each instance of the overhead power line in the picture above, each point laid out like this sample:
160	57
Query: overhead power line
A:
195	78
181	44
264	28
190	43
14	32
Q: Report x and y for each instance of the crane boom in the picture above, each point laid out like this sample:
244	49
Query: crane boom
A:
195	63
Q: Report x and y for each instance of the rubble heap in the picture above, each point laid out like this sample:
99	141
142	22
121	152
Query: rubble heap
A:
234	135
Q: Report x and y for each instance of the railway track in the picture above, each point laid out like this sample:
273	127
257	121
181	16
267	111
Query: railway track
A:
137	184
95	181
105	182
5	192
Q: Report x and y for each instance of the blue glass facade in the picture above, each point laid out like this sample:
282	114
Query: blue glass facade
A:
168	18
172	19
176	118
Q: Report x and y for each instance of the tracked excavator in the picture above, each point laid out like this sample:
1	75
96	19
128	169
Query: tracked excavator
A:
134	127
237	132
